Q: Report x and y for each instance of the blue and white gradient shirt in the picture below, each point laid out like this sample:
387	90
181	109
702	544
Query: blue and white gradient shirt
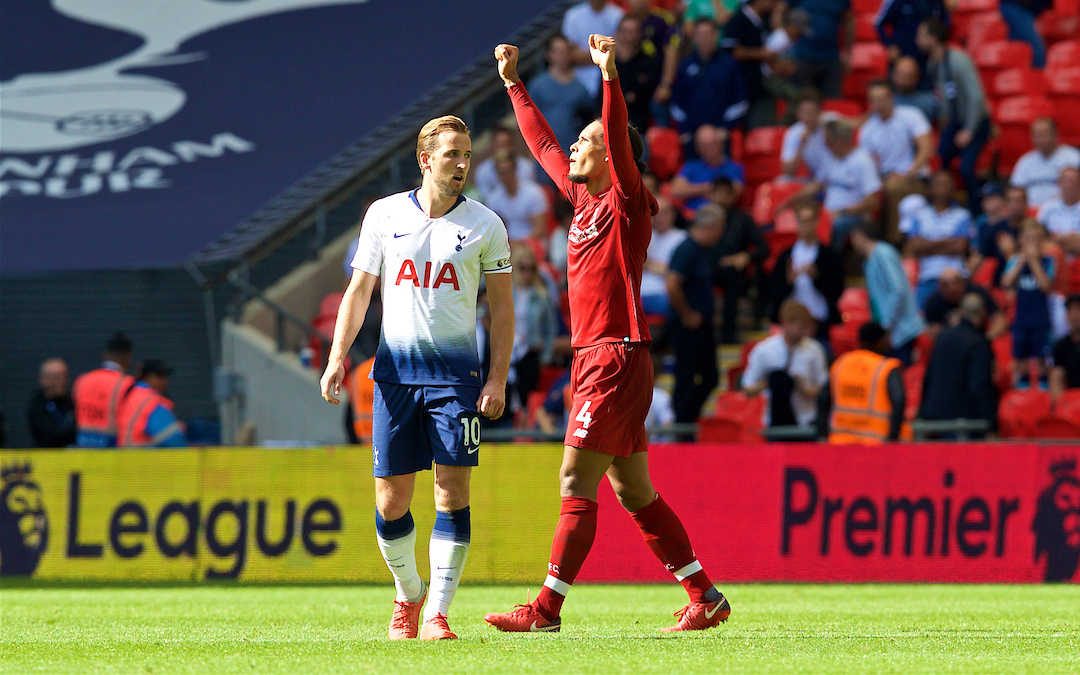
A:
926	222
430	270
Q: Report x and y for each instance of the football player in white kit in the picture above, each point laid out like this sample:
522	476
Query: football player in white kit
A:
430	246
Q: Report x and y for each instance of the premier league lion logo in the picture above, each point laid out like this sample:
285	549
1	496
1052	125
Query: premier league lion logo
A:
1057	523
24	526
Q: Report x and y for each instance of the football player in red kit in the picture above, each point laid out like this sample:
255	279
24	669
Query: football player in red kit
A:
611	375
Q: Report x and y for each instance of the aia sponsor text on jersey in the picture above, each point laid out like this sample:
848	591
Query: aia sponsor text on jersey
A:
408	272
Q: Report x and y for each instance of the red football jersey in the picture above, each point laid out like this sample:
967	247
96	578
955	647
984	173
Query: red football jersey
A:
610	234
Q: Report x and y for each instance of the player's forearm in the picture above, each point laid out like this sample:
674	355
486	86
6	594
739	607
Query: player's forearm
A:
350	319
537	133
924	150
867	205
502	342
1057	382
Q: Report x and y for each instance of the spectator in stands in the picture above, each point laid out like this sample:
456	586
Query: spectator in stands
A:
360	411
959	378
809	272
745	34
694	181
662	409
898	20
741	245
146	418
1030	272
892	302
719	11
988	226
639	71
503	139
778	74
964	118
563	100
899	139
708	87
906	76
790	367
1020	15
1066	371
690	321
823	52
666	237
580	21
866	392
942	307
551	417
1037	171
523	206
849	180
51	413
804	141
99	392
660	37
938	235
535	324
1061	215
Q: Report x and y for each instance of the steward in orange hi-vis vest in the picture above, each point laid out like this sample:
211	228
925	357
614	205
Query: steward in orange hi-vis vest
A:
146	418
867	408
362	400
98	395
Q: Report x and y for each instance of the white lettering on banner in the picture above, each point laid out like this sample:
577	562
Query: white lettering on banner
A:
73	175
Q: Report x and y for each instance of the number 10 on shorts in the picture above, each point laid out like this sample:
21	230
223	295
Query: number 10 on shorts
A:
470	432
585	417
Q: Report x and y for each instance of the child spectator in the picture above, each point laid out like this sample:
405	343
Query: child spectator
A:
1031	273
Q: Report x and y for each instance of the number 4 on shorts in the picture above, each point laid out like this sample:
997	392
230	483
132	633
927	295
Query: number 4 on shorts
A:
585	417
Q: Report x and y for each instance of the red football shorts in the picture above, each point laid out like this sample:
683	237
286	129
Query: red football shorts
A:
612	391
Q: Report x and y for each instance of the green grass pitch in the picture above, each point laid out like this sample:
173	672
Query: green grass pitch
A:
606	629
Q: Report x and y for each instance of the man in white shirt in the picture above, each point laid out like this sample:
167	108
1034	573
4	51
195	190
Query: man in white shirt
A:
522	205
1037	171
849	179
503	139
804	141
938	235
790	367
898	138
582	20
665	239
1061	215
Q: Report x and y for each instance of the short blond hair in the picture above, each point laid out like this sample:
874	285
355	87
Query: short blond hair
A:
428	138
793	310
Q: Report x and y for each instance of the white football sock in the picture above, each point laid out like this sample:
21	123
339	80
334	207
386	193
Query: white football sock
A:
447	564
400	557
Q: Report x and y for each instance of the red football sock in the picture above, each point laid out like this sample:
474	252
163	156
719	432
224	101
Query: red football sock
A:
574	537
666	537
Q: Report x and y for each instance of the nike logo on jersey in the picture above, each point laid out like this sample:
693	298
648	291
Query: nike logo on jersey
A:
399	236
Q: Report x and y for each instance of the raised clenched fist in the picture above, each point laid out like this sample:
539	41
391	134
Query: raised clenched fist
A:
507	56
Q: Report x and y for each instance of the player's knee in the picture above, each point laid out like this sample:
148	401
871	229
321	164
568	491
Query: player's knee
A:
392	509
572	484
634	498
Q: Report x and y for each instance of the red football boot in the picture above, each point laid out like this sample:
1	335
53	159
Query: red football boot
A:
701	615
524	619
405	622
436	628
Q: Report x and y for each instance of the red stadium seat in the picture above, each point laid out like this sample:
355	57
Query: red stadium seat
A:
740	413
1018	82
767	196
1014	117
914	375
1065	93
764	141
854	305
984	275
330	303
911	269
1020	410
845	107
1057	27
1002	349
966	12
994	57
736	140
778	241
734	374
1067	7
1056	427
984	28
865	7
761	168
869	61
1068	406
1063	55
844	337
665	152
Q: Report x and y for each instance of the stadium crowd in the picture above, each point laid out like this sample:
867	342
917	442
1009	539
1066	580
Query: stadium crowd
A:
887	177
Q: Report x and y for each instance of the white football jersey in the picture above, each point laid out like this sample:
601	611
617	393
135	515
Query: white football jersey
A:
430	270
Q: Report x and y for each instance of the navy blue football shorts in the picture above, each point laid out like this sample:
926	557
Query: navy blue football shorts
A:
415	425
